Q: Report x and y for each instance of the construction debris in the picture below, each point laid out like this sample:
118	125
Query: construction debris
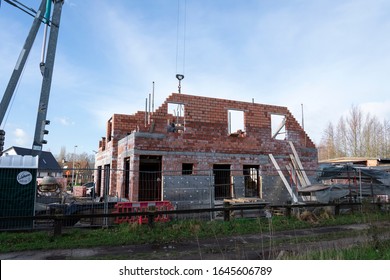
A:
350	183
308	217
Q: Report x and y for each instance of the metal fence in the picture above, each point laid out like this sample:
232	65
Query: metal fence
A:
151	216
160	185
144	185
96	192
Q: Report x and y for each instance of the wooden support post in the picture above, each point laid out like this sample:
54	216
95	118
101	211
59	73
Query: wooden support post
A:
298	171
299	163
287	185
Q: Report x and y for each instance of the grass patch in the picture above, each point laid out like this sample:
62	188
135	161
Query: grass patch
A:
367	251
176	231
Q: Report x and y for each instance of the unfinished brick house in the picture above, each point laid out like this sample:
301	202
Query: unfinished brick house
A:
195	150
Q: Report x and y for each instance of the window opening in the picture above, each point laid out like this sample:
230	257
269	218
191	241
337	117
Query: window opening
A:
236	125
278	127
187	169
176	121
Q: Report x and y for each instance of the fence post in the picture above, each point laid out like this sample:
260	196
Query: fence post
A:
150	219
57	226
337	209
378	206
288	211
226	211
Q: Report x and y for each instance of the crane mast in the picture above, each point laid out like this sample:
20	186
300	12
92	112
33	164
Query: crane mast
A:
46	66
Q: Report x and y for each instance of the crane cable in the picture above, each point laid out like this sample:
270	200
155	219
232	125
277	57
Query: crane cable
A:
21	7
28	10
179	10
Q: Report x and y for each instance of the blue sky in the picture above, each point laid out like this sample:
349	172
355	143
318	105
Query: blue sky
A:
326	55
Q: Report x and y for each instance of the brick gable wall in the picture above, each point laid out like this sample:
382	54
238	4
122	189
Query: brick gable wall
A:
205	140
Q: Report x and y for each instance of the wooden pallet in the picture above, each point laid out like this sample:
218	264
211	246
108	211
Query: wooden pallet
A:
278	212
244	200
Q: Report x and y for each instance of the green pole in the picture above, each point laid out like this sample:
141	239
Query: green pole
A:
48	11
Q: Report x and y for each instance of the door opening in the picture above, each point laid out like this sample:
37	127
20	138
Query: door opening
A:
252	180
222	181
149	178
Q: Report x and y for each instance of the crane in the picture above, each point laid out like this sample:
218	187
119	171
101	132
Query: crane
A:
46	65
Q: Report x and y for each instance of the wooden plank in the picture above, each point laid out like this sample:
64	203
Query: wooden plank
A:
288	187
291	172
244	200
298	171
261	187
299	163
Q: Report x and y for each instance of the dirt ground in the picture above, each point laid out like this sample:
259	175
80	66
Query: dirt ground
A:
255	246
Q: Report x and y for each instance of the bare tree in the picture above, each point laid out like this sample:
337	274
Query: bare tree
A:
367	134
83	165
356	135
354	130
328	148
341	138
80	165
61	155
372	137
386	139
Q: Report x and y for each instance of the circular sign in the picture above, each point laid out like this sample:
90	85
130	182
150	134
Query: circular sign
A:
24	177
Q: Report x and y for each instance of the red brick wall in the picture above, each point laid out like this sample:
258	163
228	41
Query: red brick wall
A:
206	133
206	126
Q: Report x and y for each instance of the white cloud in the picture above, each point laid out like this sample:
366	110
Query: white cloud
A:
21	137
286	53
65	121
70	3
